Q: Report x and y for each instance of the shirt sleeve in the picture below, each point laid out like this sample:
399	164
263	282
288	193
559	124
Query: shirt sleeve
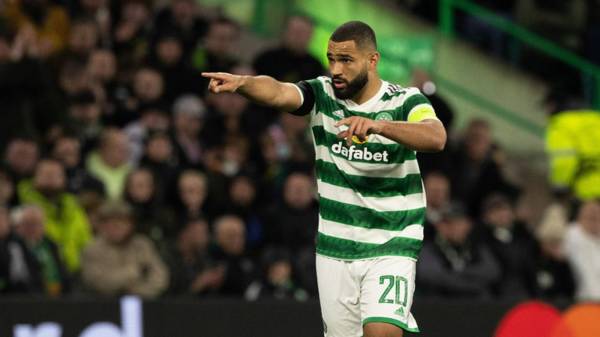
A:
418	108
307	95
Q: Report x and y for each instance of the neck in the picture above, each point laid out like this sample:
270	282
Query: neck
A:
368	91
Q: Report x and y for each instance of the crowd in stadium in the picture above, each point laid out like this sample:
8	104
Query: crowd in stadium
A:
121	174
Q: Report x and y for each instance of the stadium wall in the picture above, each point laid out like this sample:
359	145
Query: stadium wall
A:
130	317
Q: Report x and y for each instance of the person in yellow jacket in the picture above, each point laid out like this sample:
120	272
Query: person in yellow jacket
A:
573	148
66	221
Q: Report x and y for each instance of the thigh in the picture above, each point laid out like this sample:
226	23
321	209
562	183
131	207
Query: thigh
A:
387	294
339	295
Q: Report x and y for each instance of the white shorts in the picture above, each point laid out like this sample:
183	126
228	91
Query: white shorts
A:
353	293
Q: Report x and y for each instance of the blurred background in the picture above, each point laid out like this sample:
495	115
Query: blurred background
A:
121	175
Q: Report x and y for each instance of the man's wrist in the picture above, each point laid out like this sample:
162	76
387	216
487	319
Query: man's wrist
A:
243	82
378	127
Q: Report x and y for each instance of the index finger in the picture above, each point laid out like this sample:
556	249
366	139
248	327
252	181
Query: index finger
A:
217	76
344	121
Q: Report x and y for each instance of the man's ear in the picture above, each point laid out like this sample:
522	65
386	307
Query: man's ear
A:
374	60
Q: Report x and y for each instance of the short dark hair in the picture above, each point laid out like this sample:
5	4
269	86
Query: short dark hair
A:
361	33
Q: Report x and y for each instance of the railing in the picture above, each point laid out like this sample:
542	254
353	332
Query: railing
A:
588	69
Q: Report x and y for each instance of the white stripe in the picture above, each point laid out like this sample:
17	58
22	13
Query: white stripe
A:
377	170
301	94
366	235
328	124
348	196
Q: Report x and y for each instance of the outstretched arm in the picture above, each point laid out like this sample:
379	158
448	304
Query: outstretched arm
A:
428	135
263	90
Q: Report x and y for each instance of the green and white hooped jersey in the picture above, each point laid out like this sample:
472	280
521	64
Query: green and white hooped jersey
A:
372	201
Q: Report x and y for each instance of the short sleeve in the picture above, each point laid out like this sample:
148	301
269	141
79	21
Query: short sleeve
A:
307	95
417	108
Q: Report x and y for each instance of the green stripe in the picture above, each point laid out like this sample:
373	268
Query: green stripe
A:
397	153
348	249
369	186
392	321
327	105
412	102
369	218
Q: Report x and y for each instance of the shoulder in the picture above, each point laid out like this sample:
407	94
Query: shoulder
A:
142	242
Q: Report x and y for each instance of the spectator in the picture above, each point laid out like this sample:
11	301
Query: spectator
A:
130	33
85	117
192	192
152	119
148	89
293	223
110	163
437	189
193	270
102	66
67	150
582	248
572	136
7	190
230	239
66	221
49	21
84	37
554	277
167	56
181	19
277	281
159	158
220	49
188	122
98	10
29	224
19	270
291	61
27	96
102	70
455	264
21	157
120	261
477	168
153	219
513	246
243	203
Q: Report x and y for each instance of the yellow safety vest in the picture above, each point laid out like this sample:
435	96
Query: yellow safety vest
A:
573	147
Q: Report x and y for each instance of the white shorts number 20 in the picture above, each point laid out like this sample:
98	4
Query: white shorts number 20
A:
353	293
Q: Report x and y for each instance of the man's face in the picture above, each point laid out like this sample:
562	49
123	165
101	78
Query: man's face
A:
349	68
221	39
49	178
22	156
67	151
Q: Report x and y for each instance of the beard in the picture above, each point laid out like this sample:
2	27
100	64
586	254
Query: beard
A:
352	87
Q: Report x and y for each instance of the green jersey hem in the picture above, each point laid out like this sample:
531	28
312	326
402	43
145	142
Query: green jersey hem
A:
392	321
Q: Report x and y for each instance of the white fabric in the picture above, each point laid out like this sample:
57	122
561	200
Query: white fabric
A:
350	293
